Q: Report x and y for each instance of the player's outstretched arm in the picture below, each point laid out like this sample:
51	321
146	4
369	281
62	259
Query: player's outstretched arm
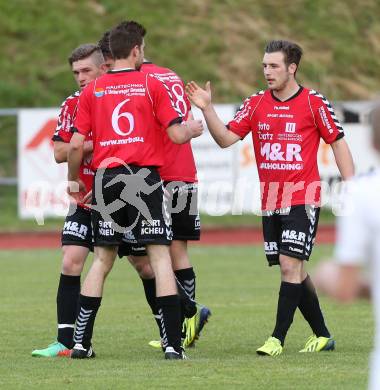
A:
202	99
184	132
343	158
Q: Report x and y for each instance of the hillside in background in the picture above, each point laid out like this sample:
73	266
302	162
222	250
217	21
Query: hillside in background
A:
221	41
218	40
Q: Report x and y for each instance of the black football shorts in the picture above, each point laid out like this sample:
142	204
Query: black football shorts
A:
129	198
77	229
290	231
182	205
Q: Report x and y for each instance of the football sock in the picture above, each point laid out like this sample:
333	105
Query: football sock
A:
310	309
169	310
186	288
288	300
188	306
88	308
67	306
186	277
150	295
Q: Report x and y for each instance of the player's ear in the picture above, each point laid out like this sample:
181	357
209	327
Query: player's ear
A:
104	68
292	68
136	51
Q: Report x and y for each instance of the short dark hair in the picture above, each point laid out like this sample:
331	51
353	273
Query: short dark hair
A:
124	37
292	52
85	51
104	44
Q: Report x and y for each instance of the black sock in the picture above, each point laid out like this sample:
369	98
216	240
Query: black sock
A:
186	290
186	277
289	297
150	295
88	308
169	310
67	304
310	309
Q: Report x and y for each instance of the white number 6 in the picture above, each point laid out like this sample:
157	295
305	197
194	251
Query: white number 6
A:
116	116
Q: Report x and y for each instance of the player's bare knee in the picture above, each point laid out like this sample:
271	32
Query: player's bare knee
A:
142	266
105	258
179	255
145	271
73	260
291	269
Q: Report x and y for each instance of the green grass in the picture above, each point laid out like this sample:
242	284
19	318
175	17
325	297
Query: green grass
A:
242	293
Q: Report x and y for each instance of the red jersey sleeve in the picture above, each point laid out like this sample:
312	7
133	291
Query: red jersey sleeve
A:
325	119
163	104
241	124
66	118
82	123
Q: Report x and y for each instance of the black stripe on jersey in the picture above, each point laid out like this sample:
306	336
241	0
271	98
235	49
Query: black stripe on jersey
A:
122	71
329	108
176	121
57	138
339	136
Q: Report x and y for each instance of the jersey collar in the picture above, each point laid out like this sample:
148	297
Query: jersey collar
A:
123	70
291	97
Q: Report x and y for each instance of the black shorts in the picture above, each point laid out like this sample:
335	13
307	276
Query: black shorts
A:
182	205
77	229
129	198
128	249
290	231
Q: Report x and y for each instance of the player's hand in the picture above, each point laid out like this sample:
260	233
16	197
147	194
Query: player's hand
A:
195	127
76	190
199	96
87	198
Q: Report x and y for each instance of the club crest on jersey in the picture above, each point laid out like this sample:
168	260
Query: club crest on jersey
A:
99	92
290	127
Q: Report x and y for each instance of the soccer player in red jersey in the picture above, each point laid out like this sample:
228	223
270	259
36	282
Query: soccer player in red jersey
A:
178	169
126	111
180	179
286	122
87	63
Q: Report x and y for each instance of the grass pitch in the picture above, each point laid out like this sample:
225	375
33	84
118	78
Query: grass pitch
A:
242	294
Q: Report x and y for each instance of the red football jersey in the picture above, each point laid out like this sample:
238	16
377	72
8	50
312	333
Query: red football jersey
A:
179	164
126	110
63	133
286	137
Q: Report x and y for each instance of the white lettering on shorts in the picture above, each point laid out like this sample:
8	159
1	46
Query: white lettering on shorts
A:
293	237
